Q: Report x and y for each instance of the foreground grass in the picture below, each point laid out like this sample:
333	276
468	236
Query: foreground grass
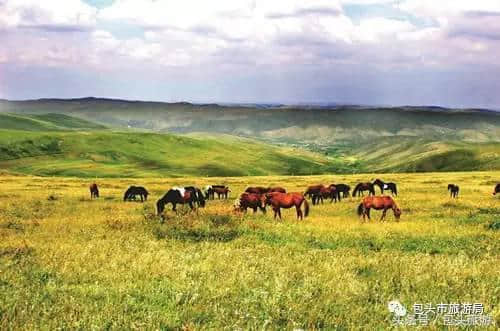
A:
68	262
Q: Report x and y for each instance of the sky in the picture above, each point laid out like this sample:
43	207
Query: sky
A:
372	52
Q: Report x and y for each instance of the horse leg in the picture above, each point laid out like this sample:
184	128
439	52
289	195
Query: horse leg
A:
275	212
368	214
174	208
299	212
279	212
383	214
254	210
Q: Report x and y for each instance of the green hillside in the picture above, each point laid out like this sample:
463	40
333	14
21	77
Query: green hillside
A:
127	154
410	154
45	122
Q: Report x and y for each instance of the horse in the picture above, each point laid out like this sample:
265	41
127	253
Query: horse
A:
197	195
386	186
94	191
181	195
361	187
136	190
209	191
329	192
222	191
496	189
453	190
314	193
335	193
384	203
253	201
257	190
280	200
344	189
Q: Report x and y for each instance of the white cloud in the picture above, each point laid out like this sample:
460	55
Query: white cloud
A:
47	14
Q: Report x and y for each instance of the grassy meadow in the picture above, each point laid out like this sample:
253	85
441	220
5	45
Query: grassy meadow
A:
67	262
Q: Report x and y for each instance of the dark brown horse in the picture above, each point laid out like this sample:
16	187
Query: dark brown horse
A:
314	192
222	192
361	187
344	189
280	200
378	203
453	190
253	201
133	191
496	189
94	191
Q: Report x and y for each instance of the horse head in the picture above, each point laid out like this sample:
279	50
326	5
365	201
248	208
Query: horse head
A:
160	207
397	212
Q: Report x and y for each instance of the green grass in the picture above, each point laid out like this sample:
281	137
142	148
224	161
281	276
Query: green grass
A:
130	154
67	262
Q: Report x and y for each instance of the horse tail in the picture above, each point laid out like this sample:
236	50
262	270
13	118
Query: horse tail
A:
360	209
306	208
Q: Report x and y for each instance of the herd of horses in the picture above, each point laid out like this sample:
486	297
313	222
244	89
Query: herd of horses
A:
258	198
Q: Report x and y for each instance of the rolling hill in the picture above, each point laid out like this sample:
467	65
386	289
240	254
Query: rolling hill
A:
52	137
132	154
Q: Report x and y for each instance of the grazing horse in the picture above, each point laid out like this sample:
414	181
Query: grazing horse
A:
209	191
386	186
257	190
222	191
335	193
175	195
136	190
253	201
196	194
496	189
280	200
344	189
361	187
314	192
384	203
453	190
94	191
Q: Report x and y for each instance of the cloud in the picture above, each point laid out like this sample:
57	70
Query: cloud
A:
51	15
252	40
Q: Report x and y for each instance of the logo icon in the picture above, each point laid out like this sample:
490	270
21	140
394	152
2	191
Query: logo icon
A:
397	308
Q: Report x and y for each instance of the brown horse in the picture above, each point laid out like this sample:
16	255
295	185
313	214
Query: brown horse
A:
222	191
314	192
496	189
280	200
94	191
253	201
378	203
